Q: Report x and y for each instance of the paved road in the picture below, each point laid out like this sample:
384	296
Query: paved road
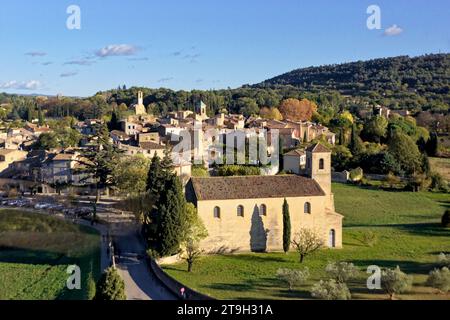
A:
140	283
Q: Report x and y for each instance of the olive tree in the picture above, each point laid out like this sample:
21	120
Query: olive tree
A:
341	272
440	279
293	277
330	290
394	281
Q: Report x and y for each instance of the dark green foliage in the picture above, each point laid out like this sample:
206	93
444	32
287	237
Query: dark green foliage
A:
355	145
432	145
286	227
114	124
110	286
170	218
237	170
405	152
398	81
445	221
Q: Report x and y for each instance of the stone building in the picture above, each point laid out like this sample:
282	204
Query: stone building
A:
244	213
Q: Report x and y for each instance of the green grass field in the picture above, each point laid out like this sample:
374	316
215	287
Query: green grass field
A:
408	232
35	251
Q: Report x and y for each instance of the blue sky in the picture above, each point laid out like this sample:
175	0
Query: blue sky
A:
201	44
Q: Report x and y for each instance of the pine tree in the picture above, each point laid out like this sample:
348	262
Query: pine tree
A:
286	227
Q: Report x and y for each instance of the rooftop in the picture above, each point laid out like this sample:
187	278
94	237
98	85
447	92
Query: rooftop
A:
254	187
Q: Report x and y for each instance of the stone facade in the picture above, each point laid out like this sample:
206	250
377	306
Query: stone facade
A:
245	213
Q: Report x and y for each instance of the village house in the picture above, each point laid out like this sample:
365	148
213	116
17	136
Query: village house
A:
9	156
294	161
245	213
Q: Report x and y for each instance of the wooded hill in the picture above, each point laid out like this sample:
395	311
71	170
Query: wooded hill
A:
399	81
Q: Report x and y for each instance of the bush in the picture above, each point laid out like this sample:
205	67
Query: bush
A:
91	289
152	253
369	238
438	183
110	286
395	281
356	175
293	277
445	221
341	272
443	260
330	290
440	279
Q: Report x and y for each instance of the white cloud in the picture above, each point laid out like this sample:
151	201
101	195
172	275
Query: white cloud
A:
68	74
82	62
393	30
117	50
36	53
24	85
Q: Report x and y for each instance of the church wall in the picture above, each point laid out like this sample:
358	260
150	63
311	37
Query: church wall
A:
234	233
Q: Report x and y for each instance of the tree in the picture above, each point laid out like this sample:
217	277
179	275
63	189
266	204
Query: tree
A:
286	227
293	277
445	220
130	174
297	110
195	231
432	145
440	279
394	281
110	286
306	241
270	113
375	129
169	217
355	145
41	119
330	290
247	106
341	272
97	163
114	123
405	152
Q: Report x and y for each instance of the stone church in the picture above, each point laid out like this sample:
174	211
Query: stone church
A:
244	213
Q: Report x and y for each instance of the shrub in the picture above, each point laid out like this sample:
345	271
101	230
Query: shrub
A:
330	290
152	253
440	279
443	260
293	277
438	182
91	289
356	174
445	221
369	238
110	286
341	272
395	281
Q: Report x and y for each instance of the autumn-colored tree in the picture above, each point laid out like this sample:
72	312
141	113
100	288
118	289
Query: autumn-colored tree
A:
297	110
270	113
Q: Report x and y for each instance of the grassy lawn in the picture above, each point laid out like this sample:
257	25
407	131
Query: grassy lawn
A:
442	166
35	251
406	225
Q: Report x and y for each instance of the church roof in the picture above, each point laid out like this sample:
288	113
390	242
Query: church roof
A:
254	187
317	147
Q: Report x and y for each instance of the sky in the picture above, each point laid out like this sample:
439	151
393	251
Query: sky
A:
200	44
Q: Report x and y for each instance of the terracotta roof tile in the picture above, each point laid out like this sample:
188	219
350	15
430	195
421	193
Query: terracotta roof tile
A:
254	187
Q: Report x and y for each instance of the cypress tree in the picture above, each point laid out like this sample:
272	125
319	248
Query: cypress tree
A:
40	116
286	227
432	146
172	217
355	143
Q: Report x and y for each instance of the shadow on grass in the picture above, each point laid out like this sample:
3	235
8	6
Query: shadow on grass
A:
405	266
421	229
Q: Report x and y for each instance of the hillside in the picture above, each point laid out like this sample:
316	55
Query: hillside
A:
425	79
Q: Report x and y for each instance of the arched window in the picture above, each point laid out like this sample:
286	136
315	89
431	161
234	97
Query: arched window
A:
307	208
217	212
240	211
332	239
321	164
263	210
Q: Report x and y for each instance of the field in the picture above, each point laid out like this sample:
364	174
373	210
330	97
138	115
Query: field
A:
442	166
406	226
35	251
